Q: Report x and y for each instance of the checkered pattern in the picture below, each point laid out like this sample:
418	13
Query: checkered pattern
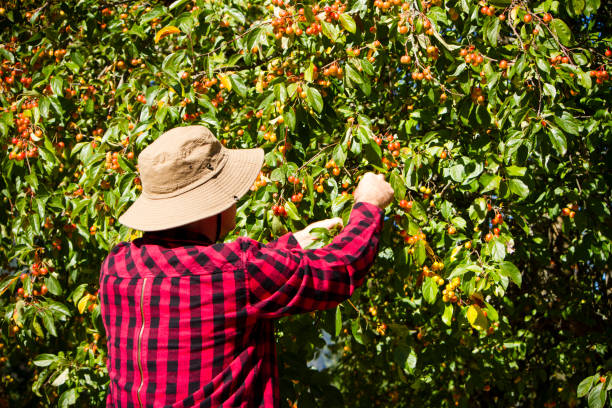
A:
196	319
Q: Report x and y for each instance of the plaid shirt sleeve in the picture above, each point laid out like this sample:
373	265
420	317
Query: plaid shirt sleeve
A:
283	278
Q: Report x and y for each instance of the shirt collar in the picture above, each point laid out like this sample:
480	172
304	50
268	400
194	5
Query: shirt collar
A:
177	235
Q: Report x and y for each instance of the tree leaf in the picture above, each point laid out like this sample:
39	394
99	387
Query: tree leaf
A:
419	253
348	23
430	290
292	211
493	31
47	320
68	398
498	250
338	325
399	188
238	85
491	182
585	386
61	378
509	270
44	360
315	101
57	86
447	316
457	173
225	81
53	285
518	187
353	74
557	138
562	31
85	300
356	331
597	397
166	31
476	318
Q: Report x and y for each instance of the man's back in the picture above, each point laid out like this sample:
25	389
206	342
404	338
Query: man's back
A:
189	323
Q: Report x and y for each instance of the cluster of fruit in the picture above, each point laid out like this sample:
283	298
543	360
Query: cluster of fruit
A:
333	70
448	293
279	211
204	84
471	57
406	205
601	75
9	74
570	210
24	142
260	181
426	191
412	239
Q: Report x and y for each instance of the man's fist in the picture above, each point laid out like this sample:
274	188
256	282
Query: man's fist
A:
374	189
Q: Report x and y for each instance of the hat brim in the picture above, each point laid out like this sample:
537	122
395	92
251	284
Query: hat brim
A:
214	196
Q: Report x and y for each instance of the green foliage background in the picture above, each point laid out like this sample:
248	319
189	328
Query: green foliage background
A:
86	85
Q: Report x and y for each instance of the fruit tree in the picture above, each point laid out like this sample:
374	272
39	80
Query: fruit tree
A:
490	119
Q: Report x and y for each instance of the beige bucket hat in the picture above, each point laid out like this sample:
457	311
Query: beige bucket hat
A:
188	175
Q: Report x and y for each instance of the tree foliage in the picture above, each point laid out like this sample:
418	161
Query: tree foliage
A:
490	120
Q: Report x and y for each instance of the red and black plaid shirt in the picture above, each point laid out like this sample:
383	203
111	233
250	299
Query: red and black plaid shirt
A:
190	323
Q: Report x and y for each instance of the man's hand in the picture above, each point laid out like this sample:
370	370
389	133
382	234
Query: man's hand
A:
374	189
305	238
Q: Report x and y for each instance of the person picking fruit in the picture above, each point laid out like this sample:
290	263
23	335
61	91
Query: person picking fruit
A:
189	319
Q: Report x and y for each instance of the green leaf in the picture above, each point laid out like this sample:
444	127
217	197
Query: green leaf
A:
562	31
509	270
419	253
430	290
557	138
515	171
457	173
329	30
490	182
592	6
238	85
292	211
411	361
585	386
338	204
447	316
405	358
446	209
53	285
399	188
309	73
356	331
578	6
518	187
47	320
338	327
44	360
61	378
353	74
348	23
498	250
68	398
289	117
597	398
57	86
493	31
568	124
314	99
459	222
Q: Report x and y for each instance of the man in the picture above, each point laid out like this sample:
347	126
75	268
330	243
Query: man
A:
189	321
